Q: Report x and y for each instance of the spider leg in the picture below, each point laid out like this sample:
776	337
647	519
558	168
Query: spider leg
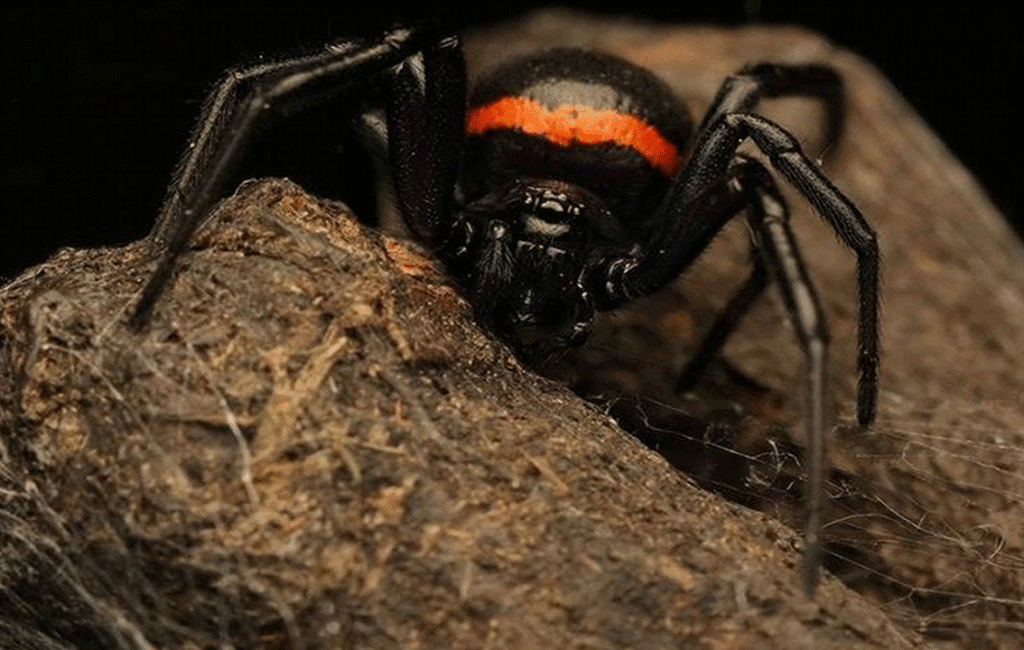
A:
740	93
777	256
691	215
247	100
426	127
688	229
778	251
773	251
785	155
739	197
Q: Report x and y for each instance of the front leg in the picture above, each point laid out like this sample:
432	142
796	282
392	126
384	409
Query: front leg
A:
242	104
426	128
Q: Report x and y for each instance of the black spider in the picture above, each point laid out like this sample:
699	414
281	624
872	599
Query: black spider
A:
564	189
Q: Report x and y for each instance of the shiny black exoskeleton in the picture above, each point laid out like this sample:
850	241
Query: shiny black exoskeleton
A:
570	182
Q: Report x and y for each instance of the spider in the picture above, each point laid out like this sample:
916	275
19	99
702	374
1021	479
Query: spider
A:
566	183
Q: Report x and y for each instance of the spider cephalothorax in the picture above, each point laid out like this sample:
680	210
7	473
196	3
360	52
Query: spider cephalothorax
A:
523	253
569	182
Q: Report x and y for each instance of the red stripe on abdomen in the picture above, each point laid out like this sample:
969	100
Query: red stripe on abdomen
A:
576	124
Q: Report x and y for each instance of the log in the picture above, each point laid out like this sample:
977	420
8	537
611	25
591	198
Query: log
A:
314	446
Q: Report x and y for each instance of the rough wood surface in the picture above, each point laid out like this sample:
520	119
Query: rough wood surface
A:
314	447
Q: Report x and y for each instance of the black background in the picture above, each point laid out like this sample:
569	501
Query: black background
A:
98	97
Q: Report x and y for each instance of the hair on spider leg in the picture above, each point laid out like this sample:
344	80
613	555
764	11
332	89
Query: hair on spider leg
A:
562	184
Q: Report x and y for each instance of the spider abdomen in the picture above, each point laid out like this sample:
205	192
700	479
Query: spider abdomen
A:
577	116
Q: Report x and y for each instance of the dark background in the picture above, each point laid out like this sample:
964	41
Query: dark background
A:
98	97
